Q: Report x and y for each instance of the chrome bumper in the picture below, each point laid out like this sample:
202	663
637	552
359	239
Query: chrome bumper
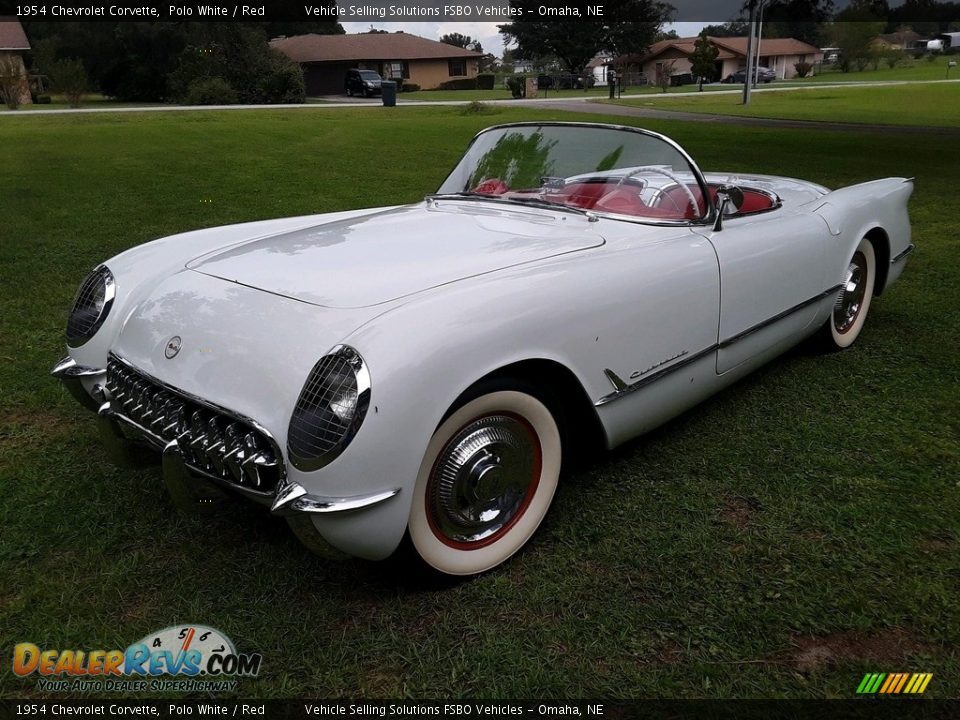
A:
130	444
71	375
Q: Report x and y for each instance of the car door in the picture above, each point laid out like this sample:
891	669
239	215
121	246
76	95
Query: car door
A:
771	275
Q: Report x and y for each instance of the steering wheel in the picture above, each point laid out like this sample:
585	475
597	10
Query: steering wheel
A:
658	191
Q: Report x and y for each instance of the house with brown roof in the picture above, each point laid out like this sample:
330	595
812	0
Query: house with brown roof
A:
903	39
778	54
13	44
325	59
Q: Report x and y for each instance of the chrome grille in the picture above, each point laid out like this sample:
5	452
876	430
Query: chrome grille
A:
211	441
90	305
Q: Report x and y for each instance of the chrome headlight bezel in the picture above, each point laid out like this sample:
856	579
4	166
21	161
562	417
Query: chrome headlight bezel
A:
330	409
95	298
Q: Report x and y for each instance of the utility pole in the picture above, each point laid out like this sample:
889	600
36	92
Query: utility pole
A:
752	5
759	39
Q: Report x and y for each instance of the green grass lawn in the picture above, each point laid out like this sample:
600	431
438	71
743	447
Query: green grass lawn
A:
919	69
933	104
782	539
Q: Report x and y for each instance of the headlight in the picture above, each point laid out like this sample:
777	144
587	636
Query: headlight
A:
368	83
90	306
330	409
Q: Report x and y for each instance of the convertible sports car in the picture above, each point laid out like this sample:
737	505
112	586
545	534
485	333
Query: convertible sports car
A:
425	369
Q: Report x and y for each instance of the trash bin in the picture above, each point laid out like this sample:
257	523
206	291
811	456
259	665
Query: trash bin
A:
389	90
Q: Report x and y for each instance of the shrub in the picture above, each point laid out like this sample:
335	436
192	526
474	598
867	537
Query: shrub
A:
210	91
410	87
932	55
43	100
12	81
70	78
518	86
475	107
485	81
803	69
459	84
241	58
282	81
893	57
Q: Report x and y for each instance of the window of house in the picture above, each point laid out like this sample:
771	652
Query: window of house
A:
397	69
458	68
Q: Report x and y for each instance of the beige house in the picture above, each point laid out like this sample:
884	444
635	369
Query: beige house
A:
778	54
13	43
326	58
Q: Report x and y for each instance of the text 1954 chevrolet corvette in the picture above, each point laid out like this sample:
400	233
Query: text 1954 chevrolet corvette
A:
424	368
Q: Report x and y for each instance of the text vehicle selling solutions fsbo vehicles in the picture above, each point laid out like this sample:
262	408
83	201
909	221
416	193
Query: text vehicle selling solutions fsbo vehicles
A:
424	368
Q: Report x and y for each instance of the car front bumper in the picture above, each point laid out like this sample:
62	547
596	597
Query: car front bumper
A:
138	426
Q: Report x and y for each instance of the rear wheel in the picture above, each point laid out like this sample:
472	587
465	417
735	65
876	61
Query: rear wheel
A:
850	310
486	481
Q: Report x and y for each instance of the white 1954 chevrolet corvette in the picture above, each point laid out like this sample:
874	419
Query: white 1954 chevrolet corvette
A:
424	368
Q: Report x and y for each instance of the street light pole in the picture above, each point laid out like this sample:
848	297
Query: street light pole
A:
752	5
759	39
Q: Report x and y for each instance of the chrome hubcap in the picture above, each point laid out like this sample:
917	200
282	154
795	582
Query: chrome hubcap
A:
483	479
850	301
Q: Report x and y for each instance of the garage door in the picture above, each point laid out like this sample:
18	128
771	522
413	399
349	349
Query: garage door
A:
325	78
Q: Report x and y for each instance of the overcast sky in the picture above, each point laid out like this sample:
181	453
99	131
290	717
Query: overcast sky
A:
485	32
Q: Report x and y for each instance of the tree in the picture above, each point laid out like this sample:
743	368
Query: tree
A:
628	26
664	73
13	81
70	78
457	40
704	58
854	32
800	19
734	28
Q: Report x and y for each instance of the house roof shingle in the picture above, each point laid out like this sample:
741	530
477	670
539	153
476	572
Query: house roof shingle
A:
12	36
366	46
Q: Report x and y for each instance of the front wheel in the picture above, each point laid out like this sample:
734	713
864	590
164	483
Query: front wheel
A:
850	310
486	482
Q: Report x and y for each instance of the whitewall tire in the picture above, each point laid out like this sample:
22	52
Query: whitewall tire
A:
850	311
486	482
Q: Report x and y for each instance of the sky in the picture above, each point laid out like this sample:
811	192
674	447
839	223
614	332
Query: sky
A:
485	32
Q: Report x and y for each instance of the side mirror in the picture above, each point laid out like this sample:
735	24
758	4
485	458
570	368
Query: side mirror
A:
729	200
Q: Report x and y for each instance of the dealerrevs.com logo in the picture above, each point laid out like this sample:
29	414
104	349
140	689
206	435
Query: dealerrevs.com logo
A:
181	657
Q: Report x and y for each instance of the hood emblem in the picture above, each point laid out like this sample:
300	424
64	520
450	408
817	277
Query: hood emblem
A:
173	347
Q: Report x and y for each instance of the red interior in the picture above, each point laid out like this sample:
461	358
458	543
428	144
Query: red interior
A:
624	200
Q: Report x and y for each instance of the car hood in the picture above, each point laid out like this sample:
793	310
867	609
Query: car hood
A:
388	255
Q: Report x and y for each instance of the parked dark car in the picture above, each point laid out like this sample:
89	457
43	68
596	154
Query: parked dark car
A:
763	74
682	79
362	82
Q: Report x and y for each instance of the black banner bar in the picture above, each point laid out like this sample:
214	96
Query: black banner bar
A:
873	708
501	11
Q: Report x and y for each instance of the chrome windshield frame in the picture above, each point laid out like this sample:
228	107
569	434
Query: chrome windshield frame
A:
706	219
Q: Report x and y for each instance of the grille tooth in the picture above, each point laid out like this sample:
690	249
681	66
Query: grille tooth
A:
209	440
215	450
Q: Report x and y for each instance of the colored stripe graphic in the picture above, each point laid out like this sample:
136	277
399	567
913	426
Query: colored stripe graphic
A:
891	680
894	683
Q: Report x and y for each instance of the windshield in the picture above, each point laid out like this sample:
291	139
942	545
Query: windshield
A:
369	75
600	169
